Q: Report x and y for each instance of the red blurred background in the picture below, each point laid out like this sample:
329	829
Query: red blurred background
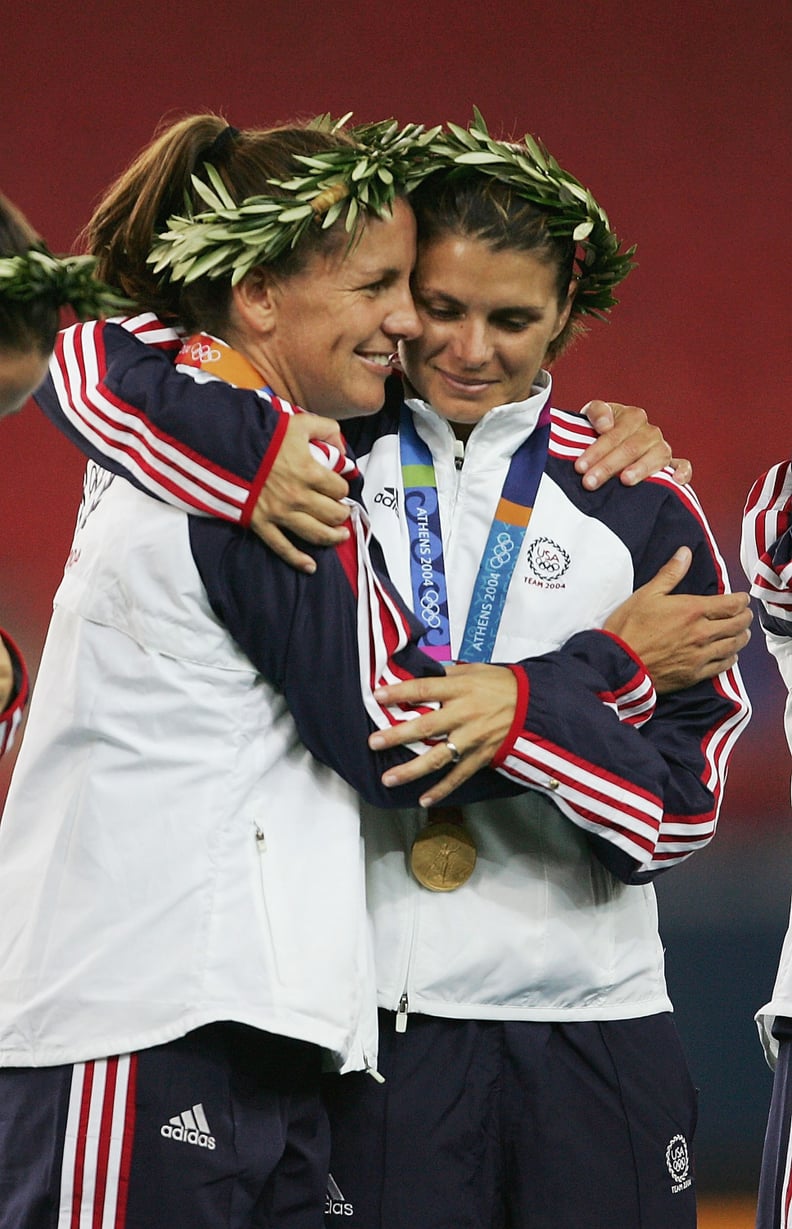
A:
678	117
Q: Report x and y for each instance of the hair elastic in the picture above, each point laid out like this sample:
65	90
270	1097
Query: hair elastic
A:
221	143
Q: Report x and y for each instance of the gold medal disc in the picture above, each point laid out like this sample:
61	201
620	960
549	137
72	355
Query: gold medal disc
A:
443	856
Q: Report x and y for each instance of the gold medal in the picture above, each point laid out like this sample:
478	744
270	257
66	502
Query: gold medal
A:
443	854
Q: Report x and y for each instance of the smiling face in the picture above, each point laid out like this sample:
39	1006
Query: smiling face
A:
325	335
21	372
488	317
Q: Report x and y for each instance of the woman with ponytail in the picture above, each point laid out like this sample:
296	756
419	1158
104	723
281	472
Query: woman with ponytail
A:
185	943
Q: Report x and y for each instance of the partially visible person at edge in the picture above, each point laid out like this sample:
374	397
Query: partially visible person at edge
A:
184	934
34	285
577	995
766	556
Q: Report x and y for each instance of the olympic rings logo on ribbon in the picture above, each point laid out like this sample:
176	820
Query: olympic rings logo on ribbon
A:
430	608
502	550
200	352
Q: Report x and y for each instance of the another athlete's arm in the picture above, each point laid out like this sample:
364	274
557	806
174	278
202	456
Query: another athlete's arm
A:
232	463
629	446
642	775
214	450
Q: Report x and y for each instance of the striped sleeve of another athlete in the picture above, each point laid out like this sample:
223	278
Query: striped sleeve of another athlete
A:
767	518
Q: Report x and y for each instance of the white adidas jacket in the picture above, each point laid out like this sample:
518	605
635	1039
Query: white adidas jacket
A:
542	930
171	853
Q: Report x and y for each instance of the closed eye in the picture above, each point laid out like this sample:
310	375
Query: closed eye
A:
516	324
441	313
439	309
381	283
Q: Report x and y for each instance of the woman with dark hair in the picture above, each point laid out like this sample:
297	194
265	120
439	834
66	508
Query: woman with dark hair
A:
34	285
29	317
533	1073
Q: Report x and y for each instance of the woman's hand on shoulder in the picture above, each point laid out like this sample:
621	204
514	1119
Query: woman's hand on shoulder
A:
300	496
682	638
628	446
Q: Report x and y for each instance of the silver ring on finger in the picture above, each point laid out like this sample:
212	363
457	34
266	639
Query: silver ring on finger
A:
456	754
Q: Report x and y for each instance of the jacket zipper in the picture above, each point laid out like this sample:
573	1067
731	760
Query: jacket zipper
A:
402	1013
403	1010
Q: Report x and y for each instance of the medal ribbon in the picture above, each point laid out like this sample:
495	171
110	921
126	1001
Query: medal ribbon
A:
499	558
207	353
427	565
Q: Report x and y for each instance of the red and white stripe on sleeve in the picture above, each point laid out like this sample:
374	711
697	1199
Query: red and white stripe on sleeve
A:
383	630
767	518
611	806
598	801
656	829
122	433
634	702
570	434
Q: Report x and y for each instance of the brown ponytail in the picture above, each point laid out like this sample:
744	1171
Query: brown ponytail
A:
158	184
135	207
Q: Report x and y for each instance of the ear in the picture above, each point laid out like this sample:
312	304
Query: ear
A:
255	302
566	309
